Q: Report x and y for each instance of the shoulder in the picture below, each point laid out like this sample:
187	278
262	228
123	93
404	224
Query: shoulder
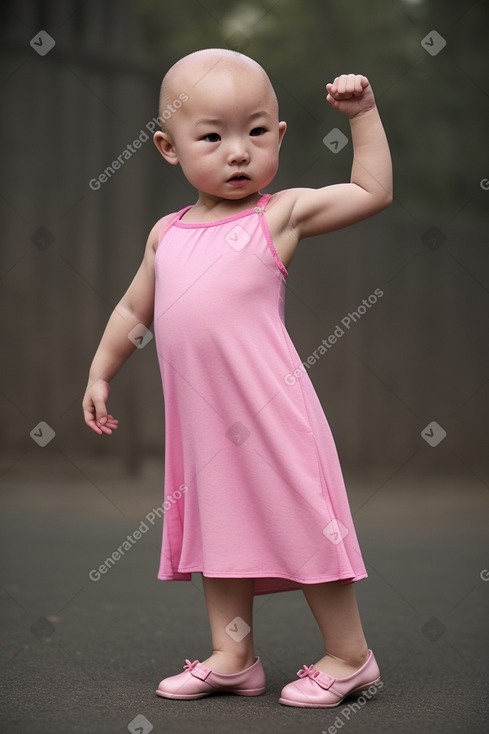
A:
159	229
279	214
280	208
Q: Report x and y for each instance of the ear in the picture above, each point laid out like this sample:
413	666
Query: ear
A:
164	143
282	127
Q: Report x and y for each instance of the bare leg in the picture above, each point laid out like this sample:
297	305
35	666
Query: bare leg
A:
335	609
227	599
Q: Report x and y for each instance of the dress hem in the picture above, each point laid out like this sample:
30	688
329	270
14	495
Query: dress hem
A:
293	585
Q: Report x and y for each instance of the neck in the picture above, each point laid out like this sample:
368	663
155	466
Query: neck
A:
225	207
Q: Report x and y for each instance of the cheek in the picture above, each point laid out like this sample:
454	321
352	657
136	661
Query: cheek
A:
198	170
202	159
268	164
192	162
270	157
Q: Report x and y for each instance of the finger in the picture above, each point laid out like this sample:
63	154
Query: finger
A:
100	411
332	95
357	85
361	83
88	415
100	430
106	430
111	423
90	422
350	84
331	87
341	84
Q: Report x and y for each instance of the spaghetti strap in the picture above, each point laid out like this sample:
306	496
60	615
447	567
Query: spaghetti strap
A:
263	201
166	222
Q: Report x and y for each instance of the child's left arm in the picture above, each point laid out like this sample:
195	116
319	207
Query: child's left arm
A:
316	211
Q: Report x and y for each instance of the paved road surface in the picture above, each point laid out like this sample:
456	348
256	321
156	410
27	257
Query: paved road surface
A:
81	656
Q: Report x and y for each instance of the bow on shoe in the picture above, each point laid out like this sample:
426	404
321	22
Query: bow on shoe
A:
310	671
190	666
322	679
197	669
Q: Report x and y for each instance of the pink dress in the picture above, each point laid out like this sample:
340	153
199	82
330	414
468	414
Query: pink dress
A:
253	484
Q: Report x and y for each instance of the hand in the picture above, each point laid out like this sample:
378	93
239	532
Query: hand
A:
351	94
95	408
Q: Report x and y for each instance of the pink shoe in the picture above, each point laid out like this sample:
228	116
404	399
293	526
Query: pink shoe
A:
198	681
320	690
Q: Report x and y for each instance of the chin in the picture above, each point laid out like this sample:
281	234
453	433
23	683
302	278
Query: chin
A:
238	194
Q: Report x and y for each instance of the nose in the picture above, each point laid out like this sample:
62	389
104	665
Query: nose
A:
238	152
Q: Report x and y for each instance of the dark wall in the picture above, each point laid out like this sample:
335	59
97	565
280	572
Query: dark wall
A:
417	354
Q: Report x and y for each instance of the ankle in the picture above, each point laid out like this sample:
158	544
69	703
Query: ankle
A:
244	658
223	661
361	657
354	660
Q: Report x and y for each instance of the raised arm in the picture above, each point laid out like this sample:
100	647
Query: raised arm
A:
316	211
135	307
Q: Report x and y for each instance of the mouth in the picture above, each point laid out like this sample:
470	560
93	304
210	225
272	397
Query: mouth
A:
238	178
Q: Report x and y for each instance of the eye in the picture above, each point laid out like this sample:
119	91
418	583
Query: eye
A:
211	138
257	131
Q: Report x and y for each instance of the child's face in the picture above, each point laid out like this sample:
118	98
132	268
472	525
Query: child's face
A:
226	136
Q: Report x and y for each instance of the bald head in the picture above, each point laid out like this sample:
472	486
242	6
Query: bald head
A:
204	70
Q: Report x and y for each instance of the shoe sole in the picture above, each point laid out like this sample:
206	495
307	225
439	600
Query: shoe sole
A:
191	696
301	704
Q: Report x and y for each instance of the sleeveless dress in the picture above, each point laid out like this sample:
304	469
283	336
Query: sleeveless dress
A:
253	484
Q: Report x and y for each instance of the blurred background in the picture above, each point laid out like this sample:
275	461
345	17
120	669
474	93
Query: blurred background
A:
71	244
405	387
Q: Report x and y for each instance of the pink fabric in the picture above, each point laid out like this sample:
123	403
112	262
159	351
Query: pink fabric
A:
252	477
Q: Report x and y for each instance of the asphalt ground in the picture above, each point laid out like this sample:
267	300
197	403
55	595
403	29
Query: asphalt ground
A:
85	656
